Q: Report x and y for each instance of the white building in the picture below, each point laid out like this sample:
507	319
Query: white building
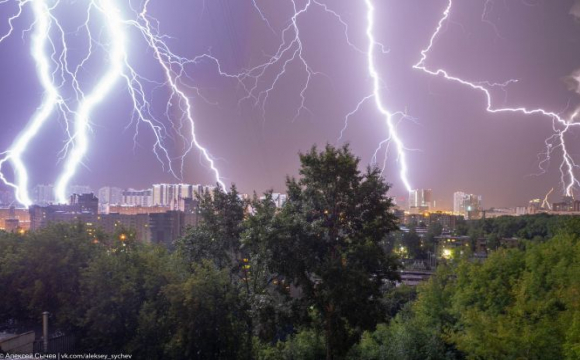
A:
110	195
420	200
464	204
132	197
170	194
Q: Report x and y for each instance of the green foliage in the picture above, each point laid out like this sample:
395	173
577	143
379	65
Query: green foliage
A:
118	288
240	284
307	344
207	316
530	227
217	237
517	304
41	271
326	242
395	299
429	241
271	307
228	284
412	243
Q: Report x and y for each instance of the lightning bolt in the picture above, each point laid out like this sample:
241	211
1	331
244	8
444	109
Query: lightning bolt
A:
259	81
50	101
567	166
167	60
50	53
388	116
54	73
116	55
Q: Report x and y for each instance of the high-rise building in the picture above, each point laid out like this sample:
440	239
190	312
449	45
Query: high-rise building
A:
43	194
420	200
468	205
110	195
132	197
458	202
170	194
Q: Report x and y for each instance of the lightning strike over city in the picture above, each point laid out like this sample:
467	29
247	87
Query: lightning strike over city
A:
254	179
130	94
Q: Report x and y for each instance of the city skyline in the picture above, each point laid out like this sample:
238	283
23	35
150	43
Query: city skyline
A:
150	196
461	145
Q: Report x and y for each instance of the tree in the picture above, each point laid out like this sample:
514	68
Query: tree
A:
430	241
118	288
412	242
271	310
326	243
217	237
42	271
207	316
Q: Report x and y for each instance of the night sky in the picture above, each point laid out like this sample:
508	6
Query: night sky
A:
456	145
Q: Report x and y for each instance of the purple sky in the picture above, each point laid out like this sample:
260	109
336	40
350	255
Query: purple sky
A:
458	145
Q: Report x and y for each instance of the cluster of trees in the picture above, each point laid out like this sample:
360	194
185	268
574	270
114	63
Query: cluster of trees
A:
530	227
313	280
251	281
411	245
540	227
520	303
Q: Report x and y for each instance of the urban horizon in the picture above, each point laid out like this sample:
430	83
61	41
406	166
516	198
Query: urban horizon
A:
436	202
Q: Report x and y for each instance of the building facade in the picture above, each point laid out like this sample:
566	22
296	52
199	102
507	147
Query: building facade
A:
420	200
132	197
467	205
170	194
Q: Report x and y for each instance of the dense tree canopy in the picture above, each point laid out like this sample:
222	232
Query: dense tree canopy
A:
517	304
326	243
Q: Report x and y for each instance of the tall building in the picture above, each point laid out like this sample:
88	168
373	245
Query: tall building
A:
134	209
43	194
170	194
132	197
110	195
458	202
468	205
420	200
